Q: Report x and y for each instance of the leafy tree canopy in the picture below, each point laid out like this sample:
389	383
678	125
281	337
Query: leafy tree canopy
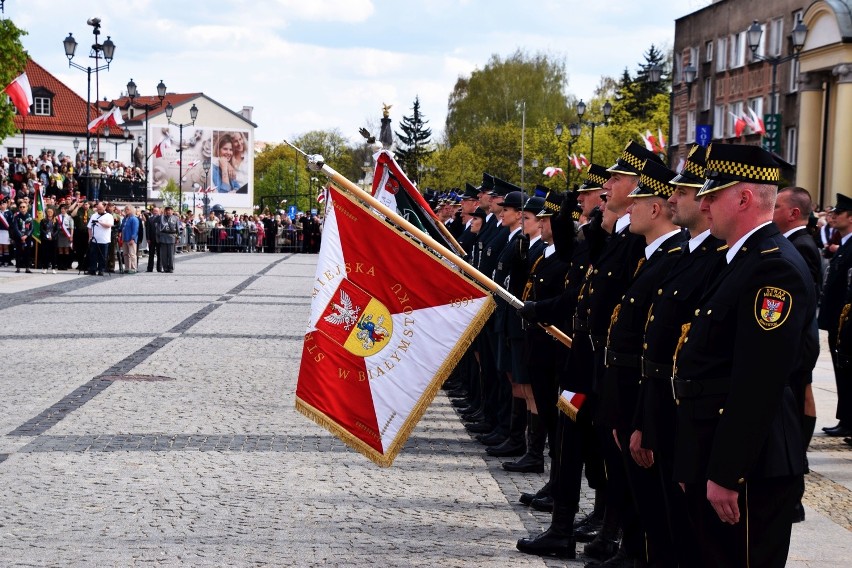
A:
14	60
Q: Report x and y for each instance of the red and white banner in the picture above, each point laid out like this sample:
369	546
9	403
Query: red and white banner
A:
570	403
382	336
112	118
21	94
162	145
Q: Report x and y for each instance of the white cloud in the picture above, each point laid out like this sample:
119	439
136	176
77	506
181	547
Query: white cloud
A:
328	10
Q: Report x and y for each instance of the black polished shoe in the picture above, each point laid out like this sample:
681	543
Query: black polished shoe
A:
593	517
619	560
527	464
841	430
461	403
543	504
479	427
477	416
507	449
601	549
799	513
588	532
491	439
527	498
549	543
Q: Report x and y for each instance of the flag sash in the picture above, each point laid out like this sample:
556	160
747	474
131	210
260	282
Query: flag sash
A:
570	403
38	214
372	400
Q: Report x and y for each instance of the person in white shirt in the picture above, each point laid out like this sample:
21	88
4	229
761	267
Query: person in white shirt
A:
100	233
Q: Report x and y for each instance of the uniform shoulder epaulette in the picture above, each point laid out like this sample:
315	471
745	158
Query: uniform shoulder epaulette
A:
676	249
721	248
767	251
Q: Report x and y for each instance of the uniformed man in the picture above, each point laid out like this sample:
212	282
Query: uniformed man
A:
673	305
21	234
650	217
469	202
833	299
739	445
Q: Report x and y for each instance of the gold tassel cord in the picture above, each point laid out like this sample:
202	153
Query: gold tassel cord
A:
530	281
844	317
684	333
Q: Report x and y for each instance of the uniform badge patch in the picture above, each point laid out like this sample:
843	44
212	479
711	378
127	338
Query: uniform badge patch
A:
771	307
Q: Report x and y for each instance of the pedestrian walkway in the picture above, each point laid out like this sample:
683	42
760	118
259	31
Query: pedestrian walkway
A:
149	419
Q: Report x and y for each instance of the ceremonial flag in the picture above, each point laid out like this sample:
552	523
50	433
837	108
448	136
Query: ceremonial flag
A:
551	171
163	144
661	141
112	118
393	188
755	122
389	321
21	94
38	211
739	124
570	403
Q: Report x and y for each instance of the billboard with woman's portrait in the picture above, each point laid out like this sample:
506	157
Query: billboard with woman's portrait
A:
215	162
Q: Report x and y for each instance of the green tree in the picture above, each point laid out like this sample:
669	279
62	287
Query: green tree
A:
496	94
415	141
170	194
14	60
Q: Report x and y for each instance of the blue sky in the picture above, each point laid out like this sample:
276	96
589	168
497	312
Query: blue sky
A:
323	64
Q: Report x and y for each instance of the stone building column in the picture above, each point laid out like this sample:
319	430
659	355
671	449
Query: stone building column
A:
809	156
841	170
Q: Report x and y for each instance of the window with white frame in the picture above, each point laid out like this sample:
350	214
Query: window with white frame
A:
675	130
737	50
14	152
707	95
690	127
756	104
721	51
794	76
708	51
719	119
792	144
776	37
41	106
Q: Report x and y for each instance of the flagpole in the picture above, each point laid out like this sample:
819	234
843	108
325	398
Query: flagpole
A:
316	163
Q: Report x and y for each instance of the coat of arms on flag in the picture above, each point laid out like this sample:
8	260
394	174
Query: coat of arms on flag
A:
389	321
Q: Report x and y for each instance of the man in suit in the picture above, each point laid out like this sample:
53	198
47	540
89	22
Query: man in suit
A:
152	232
833	299
167	235
469	203
739	451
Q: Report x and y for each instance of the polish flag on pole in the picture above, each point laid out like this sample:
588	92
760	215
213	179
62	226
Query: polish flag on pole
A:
164	144
755	122
21	94
551	171
112	118
661	140
648	139
584	162
739	124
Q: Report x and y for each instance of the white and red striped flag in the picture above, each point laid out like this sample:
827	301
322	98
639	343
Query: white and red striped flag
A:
21	94
163	144
570	403
381	338
112	118
551	171
755	122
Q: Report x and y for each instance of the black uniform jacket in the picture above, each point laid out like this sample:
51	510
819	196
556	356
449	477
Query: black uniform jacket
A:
622	372
836	284
804	243
546	282
737	415
674	304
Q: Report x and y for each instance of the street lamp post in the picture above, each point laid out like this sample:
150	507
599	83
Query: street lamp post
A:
574	131
193	114
132	93
205	164
120	142
107	48
797	39
581	110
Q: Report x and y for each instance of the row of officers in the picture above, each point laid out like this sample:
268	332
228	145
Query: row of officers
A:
685	394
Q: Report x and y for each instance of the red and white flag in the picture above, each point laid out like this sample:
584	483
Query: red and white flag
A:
661	140
112	118
21	94
382	338
570	403
755	122
162	145
321	196
584	161
739	124
551	171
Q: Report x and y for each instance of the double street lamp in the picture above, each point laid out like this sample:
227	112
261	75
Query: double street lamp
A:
132	93
193	114
99	50
119	142
797	39
581	111
574	131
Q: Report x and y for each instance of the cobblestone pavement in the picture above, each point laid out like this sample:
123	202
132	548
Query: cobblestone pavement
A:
165	434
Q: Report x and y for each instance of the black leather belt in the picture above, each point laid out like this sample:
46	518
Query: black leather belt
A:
621	359
695	389
652	370
581	325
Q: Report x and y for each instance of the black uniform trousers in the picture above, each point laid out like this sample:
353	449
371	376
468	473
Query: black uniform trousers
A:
843	379
762	535
154	256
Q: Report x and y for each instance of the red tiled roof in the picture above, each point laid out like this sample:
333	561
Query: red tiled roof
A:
176	99
69	109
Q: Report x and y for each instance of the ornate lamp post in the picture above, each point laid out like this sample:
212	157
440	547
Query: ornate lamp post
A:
581	111
193	114
132	93
574	131
105	50
119	142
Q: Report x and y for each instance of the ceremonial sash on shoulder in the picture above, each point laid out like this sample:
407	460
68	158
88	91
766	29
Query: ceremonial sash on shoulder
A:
4	223
65	230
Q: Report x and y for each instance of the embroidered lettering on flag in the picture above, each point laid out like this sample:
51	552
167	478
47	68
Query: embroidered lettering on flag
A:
382	337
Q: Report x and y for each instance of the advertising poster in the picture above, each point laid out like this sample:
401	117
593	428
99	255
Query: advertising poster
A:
215	162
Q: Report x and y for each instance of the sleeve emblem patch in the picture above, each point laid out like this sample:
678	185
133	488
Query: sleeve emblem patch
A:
771	307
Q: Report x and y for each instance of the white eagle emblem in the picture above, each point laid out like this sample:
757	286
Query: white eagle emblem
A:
344	315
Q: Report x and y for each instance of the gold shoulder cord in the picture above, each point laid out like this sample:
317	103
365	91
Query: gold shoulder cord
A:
844	317
684	332
613	318
529	285
638	266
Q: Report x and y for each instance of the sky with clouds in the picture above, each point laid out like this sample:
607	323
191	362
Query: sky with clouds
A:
324	64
